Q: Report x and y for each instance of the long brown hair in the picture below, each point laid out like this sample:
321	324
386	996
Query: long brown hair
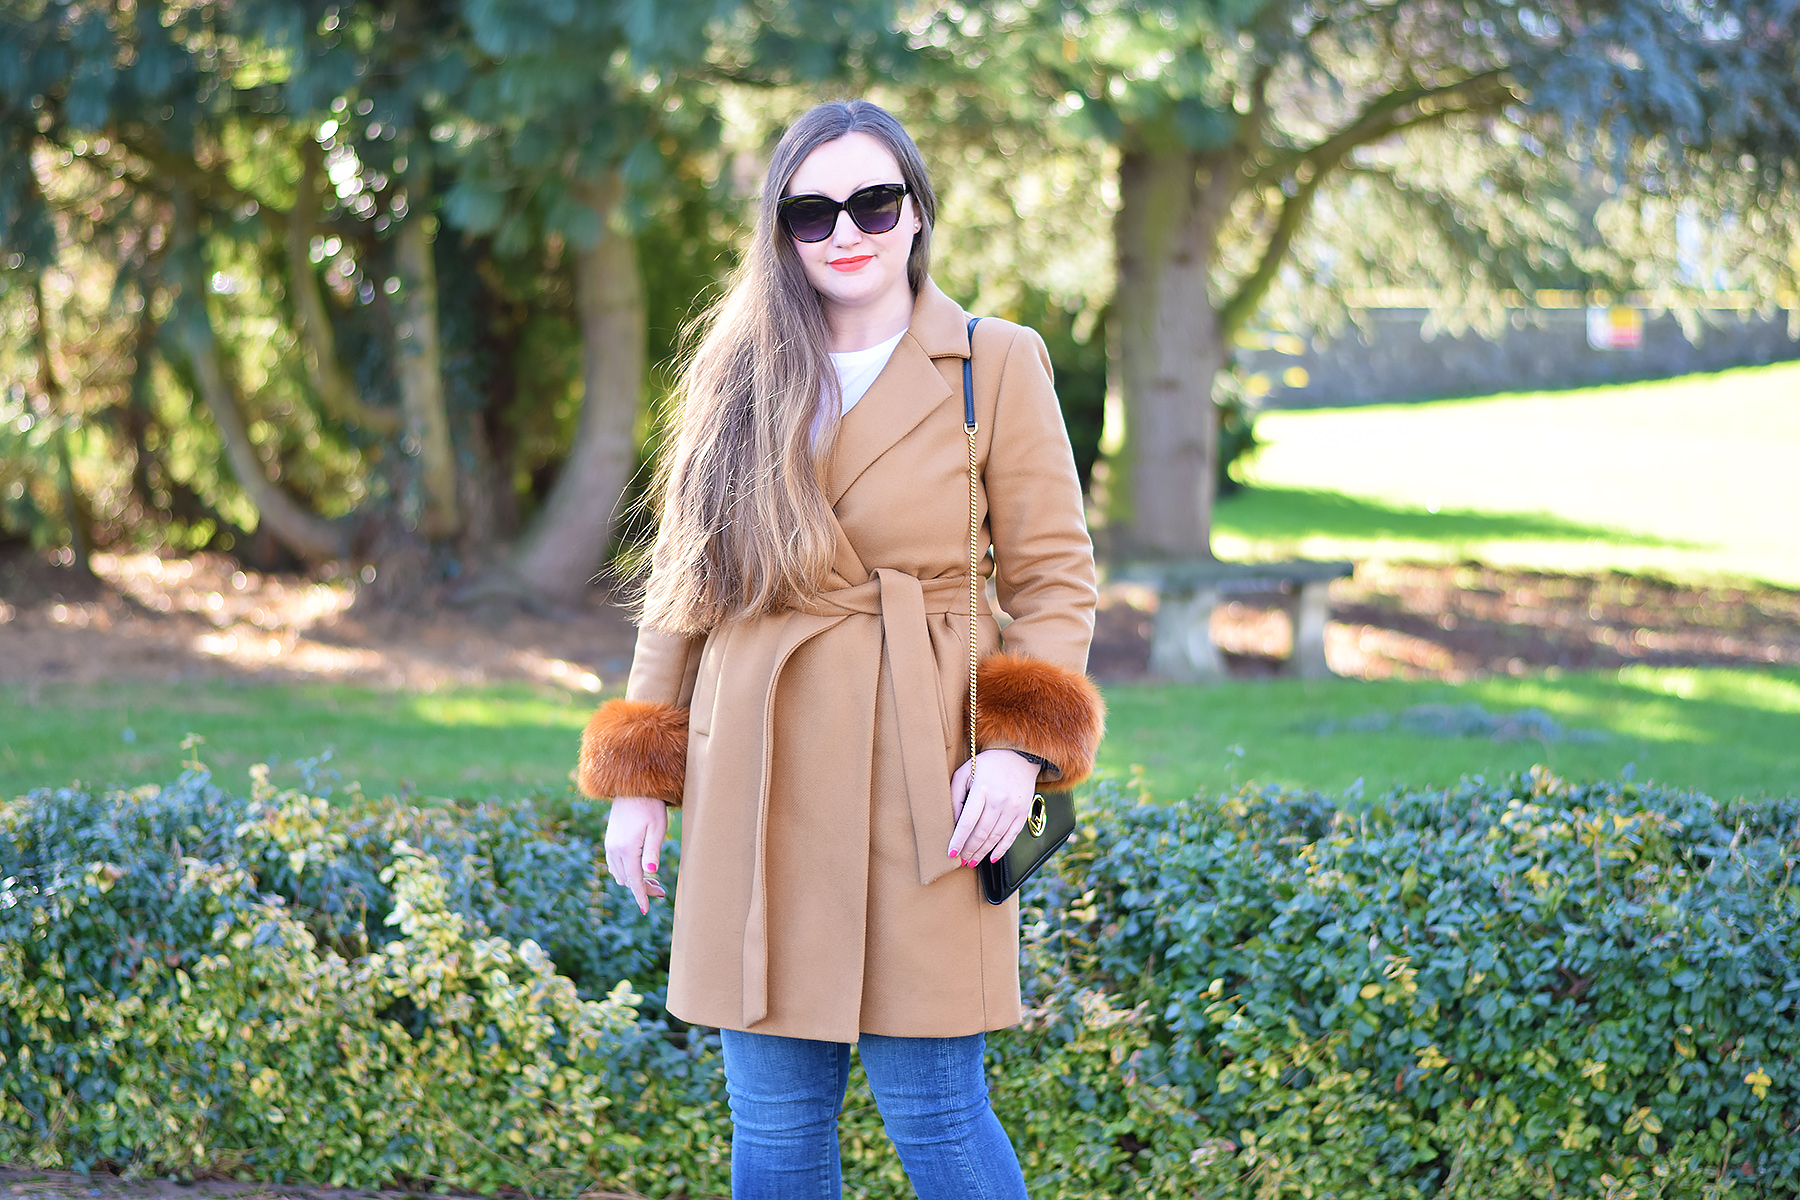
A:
744	526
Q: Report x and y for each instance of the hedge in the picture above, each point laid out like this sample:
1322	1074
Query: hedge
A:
1510	989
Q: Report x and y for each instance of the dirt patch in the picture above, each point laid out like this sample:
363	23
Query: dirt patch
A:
142	617
174	619
1411	621
1474	620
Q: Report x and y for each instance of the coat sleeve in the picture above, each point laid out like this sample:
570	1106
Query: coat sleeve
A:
636	744
1035	695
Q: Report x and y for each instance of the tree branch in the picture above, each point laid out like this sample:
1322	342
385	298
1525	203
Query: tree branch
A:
75	512
336	390
1236	311
198	181
1258	117
1387	115
307	534
212	188
1383	118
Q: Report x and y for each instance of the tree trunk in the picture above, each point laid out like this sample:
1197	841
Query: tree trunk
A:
74	511
307	534
562	549
1171	204
134	417
149	476
421	371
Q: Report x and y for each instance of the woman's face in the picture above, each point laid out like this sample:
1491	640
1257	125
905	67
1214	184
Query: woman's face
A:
853	269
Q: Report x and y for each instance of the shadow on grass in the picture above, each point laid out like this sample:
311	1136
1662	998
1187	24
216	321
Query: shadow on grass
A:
1291	514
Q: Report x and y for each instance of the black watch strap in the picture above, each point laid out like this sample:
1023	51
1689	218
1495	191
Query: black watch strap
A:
1042	762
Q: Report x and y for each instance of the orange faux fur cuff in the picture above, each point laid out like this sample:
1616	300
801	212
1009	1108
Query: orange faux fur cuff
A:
1037	706
634	748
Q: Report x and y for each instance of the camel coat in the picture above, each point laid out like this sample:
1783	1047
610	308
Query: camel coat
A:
811	751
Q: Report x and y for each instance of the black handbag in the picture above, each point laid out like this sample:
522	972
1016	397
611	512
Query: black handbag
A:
1052	817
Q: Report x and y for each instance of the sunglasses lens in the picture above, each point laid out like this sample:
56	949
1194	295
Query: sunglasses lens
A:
810	218
875	209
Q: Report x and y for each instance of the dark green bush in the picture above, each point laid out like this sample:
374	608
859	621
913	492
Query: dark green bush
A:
193	981
1522	989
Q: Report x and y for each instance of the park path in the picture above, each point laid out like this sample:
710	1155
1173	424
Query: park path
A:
109	1187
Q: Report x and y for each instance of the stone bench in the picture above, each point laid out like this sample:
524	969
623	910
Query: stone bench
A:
1187	592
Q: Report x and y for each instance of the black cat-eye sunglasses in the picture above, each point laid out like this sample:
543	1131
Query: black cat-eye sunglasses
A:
875	209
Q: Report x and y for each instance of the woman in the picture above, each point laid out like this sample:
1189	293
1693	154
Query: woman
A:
802	647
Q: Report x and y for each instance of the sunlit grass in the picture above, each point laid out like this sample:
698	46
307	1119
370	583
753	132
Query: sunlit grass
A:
507	740
1772	691
1726	732
1689	478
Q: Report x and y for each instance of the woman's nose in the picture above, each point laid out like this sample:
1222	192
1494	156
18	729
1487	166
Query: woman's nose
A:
846	233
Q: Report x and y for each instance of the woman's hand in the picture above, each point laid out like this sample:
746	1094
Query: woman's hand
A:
990	815
634	837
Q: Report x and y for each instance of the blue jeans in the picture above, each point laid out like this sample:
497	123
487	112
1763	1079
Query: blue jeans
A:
786	1094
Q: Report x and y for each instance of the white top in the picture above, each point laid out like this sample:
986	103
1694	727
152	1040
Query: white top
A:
856	371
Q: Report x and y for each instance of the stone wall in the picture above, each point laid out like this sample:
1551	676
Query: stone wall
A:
1389	359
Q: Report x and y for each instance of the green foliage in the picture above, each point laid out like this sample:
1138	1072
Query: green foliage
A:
197	982
1237	413
28	502
522	128
1078	358
515	128
1519	990
1505	990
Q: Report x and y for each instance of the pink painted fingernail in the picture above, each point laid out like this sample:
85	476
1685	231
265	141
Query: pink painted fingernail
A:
952	854
650	870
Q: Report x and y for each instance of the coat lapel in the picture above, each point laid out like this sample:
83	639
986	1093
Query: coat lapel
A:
909	389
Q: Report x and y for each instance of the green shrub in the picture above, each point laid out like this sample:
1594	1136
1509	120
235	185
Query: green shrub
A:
1522	989
167	1011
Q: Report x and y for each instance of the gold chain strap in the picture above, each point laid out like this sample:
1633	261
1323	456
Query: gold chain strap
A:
974	591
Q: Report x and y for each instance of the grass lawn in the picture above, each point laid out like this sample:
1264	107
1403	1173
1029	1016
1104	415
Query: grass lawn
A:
1722	731
1685	478
506	740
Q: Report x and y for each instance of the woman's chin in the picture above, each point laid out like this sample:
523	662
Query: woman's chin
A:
853	289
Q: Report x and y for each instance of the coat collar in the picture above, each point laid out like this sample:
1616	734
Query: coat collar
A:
939	324
909	389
